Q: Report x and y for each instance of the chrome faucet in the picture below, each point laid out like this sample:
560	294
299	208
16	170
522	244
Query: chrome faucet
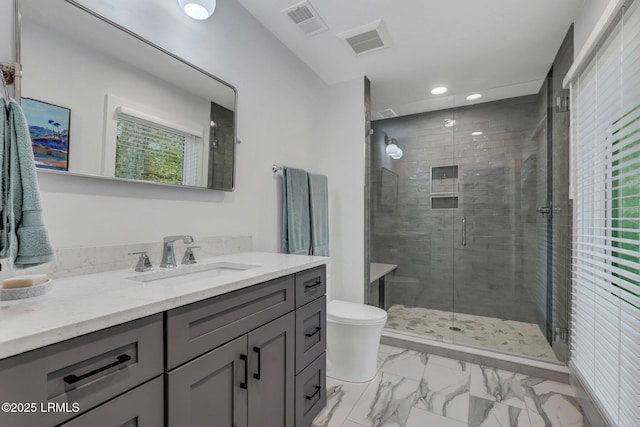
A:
168	255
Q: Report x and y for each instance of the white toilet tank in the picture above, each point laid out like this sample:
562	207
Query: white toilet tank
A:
353	338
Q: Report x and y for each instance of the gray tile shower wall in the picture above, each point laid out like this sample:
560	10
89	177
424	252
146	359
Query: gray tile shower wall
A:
497	194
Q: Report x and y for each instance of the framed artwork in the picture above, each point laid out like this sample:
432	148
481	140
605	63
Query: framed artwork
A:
49	130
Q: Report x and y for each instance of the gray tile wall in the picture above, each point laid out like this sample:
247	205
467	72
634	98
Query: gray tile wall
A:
497	193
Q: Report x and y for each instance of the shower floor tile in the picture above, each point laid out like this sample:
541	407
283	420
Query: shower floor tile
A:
508	336
448	393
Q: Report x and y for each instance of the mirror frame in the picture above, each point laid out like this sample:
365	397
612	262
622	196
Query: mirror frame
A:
18	96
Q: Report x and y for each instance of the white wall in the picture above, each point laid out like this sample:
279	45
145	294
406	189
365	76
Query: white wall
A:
341	156
585	22
279	101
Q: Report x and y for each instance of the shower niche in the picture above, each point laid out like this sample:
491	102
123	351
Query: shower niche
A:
444	187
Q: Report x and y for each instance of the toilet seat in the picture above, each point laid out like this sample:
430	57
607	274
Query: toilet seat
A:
354	313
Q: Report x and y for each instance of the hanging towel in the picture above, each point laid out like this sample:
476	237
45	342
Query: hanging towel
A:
25	242
296	232
319	214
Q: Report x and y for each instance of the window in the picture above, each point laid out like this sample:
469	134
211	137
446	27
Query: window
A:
605	319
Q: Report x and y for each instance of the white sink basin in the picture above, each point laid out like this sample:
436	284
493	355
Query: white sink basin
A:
194	271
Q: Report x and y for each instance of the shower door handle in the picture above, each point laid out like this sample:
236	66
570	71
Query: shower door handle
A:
464	231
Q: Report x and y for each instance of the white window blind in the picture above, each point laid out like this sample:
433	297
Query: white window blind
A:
606	251
149	151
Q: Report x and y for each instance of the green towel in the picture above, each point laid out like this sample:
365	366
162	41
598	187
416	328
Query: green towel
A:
296	232
25	242
319	214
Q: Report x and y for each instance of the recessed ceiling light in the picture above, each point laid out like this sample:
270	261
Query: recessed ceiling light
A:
478	133
438	90
474	96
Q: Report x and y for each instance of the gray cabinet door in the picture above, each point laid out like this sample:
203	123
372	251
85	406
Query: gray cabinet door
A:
210	390
271	374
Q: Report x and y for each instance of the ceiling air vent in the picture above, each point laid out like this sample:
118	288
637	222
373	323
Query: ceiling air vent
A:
306	18
387	114
368	38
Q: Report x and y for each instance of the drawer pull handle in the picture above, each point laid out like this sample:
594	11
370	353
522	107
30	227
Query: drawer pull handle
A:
318	388
318	329
243	357
73	378
315	284
257	375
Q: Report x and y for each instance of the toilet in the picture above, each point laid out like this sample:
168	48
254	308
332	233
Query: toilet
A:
353	338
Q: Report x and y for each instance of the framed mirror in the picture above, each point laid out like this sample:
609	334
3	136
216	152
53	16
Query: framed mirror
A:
134	111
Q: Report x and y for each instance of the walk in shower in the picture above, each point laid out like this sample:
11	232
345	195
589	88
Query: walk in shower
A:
475	216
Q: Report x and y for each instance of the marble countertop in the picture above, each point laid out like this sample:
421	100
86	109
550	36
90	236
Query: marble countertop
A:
83	304
377	270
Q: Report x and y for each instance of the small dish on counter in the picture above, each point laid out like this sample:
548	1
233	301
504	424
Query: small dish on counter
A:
26	292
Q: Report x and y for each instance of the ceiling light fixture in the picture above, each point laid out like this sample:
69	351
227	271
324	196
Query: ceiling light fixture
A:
198	9
474	96
439	90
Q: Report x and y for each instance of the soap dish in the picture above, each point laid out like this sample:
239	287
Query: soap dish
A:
28	292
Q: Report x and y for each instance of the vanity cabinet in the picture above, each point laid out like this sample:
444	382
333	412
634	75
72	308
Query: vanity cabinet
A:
264	355
253	357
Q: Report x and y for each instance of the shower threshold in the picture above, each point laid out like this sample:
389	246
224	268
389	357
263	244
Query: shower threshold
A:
554	371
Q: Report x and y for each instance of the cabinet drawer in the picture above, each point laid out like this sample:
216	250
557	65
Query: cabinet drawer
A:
311	391
141	407
311	332
87	370
310	284
194	329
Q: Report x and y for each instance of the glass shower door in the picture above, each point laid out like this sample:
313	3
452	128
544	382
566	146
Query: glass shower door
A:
414	229
500	290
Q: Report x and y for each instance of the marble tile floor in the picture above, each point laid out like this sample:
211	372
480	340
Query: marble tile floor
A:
508	336
413	389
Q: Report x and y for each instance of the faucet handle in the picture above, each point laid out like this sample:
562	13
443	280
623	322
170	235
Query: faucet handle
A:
188	257
144	263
